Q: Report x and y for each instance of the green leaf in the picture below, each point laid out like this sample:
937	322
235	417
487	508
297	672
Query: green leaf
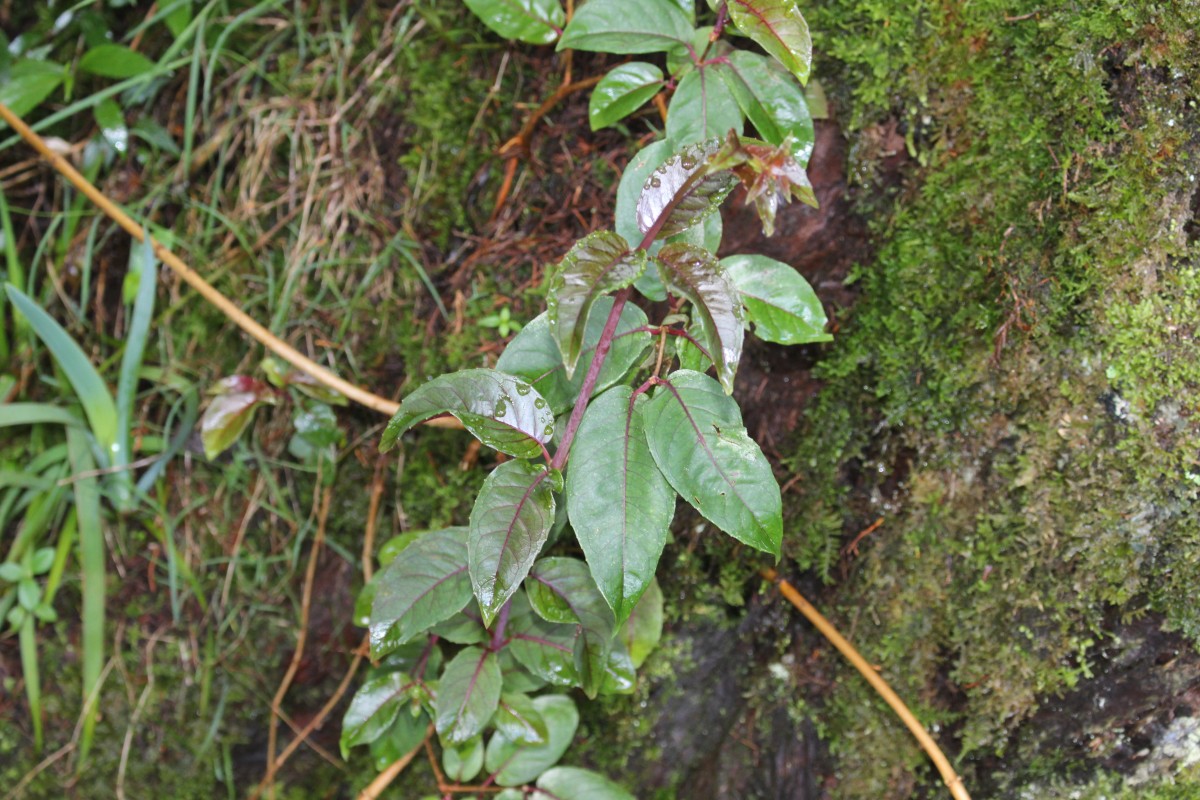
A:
692	272
597	265
467	695
89	387
29	594
226	417
11	572
518	720
779	28
627	26
502	412
111	120
683	190
373	710
28	83
622	91
620	676
697	437
509	525
545	649
405	735
514	763
573	783
636	173
778	301
461	763
532	21
461	629
620	505
643	630
426	584
41	560
534	356
562	589
773	101
115	61
702	108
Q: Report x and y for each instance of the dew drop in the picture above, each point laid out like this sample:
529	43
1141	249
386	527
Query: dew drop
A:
523	389
539	403
548	430
501	409
655	182
687	163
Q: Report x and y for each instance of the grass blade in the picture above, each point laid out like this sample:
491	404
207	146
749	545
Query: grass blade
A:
15	272
12	414
89	386
91	560
33	683
131	363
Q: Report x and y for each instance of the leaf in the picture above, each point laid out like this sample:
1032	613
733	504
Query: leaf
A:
683	191
115	61
111	120
620	505
772	100
545	649
467	695
405	735
89	387
620	676
697	438
562	589
425	584
461	629
598	264
533	354
778	301
702	108
627	26
779	28
28	83
515	764
622	91
692	272
226	417
518	720
643	630
509	525
532	21
573	783
463	762
502	412
636	173
373	710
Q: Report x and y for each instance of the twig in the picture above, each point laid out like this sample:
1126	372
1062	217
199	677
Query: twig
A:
385	778
368	549
953	781
16	791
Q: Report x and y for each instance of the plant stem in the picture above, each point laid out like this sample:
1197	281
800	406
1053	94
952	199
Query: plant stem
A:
501	624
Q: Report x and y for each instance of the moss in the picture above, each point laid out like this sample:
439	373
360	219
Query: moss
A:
1012	391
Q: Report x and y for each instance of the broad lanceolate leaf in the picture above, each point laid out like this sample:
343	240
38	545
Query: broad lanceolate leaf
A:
373	710
696	435
228	415
467	695
782	305
533	355
545	649
425	584
573	783
462	763
115	61
622	91
562	589
620	505
694	273
406	734
627	26
504	413
643	630
28	83
620	676
518	720
516	763
778	26
683	190
598	264
702	108
532	21
509	525
773	101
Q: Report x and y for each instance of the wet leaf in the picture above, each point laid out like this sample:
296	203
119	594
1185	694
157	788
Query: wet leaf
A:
114	61
229	413
518	720
620	676
694	273
514	763
373	710
406	733
620	505
779	28
597	265
562	589
509	525
627	26
702	108
545	649
533	354
111	120
462	762
467	695
622	91
532	21
503	412
573	783
772	100
697	438
643	630
683	190
780	304
425	584
28	83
